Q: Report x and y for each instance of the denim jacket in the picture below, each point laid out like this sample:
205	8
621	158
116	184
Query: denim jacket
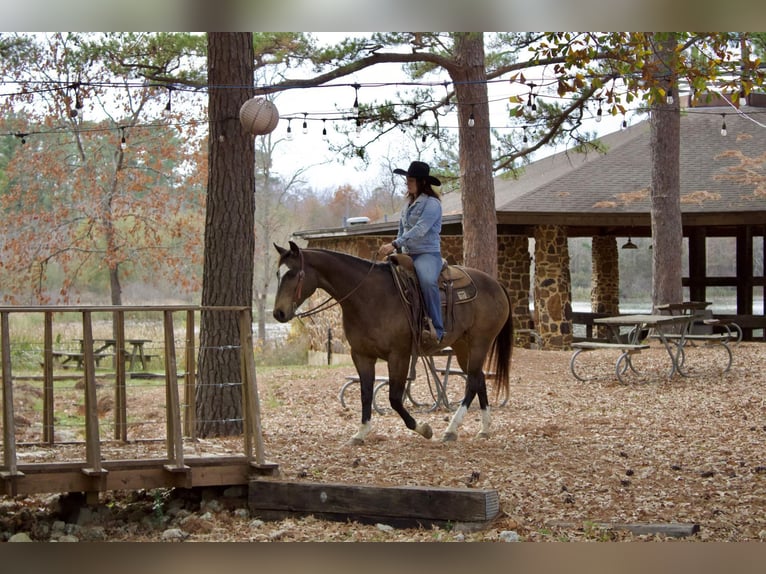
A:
419	226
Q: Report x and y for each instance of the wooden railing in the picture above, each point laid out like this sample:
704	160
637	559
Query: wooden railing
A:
171	467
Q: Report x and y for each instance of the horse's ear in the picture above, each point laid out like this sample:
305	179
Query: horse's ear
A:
280	250
294	248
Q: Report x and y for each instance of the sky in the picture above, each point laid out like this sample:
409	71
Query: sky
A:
329	171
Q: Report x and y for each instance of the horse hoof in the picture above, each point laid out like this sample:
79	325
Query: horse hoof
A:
424	430
449	437
484	435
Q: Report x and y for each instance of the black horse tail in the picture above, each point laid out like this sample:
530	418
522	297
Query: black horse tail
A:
501	352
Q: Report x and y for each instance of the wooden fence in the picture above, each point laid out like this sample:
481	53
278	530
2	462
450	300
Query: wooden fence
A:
94	472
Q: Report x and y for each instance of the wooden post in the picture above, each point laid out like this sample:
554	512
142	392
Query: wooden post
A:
173	416
120	393
251	402
92	436
10	469
48	406
190	427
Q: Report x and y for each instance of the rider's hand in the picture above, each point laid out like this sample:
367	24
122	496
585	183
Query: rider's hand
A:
386	249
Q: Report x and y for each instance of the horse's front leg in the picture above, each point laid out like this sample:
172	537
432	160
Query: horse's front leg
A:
365	368
397	383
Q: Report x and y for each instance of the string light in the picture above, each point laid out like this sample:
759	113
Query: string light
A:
355	107
167	110
531	104
305	124
471	118
723	125
22	137
74	112
599	112
669	98
123	141
324	129
289	129
525	139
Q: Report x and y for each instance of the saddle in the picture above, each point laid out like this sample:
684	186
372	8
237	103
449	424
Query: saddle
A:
455	287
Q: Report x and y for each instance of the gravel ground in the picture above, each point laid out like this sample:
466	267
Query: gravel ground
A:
568	459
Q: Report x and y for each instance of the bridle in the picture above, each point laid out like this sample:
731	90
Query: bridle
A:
324	305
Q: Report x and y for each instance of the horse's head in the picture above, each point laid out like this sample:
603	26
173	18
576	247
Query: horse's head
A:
291	290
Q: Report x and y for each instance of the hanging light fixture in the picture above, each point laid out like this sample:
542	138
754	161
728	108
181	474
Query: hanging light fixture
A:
629	244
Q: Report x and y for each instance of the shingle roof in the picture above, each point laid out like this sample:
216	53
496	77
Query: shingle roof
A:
618	181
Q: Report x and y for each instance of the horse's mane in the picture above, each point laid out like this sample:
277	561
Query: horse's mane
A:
351	258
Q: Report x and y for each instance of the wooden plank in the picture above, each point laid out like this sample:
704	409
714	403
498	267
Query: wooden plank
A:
380	503
92	436
588	346
672	529
120	391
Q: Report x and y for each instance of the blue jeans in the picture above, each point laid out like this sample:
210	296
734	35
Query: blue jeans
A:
427	267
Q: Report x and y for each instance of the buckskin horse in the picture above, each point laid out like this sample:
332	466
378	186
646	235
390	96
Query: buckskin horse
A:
377	326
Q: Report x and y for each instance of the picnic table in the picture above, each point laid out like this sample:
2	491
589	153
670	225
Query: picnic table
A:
664	327
103	348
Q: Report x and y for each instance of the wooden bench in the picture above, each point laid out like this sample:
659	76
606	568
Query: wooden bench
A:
73	356
626	350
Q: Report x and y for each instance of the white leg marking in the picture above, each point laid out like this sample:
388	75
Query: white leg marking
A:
457	418
486	420
362	433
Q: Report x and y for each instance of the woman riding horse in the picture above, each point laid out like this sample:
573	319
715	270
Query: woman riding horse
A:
377	326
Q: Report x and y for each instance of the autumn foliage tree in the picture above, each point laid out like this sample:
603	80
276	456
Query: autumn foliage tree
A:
95	190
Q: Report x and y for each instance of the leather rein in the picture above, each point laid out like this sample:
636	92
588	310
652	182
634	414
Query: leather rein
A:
324	305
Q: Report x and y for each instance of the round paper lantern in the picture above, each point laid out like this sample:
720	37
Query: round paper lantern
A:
259	116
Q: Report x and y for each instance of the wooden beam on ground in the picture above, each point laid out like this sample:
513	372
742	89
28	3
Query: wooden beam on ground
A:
672	529
404	506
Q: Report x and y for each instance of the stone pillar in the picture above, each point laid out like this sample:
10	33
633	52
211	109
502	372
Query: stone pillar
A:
605	280
513	272
553	287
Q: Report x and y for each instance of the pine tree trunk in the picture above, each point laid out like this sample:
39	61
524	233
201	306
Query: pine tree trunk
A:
478	196
229	234
667	231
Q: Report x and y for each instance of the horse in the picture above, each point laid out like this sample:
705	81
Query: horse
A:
377	326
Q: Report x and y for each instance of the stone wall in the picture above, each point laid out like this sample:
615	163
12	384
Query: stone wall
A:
605	281
553	287
513	272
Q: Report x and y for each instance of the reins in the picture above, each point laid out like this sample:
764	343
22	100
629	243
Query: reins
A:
324	305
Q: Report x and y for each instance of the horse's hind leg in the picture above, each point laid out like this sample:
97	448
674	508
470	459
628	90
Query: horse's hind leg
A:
474	386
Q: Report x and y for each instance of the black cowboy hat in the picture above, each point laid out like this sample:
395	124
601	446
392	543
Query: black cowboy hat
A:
419	170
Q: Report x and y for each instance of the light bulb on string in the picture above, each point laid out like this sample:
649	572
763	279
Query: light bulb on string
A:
531	105
355	107
22	137
723	125
123	140
305	123
289	129
669	97
599	111
525	139
166	112
624	123
324	129
471	118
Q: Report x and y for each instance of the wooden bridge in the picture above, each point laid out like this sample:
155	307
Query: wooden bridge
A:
36	459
